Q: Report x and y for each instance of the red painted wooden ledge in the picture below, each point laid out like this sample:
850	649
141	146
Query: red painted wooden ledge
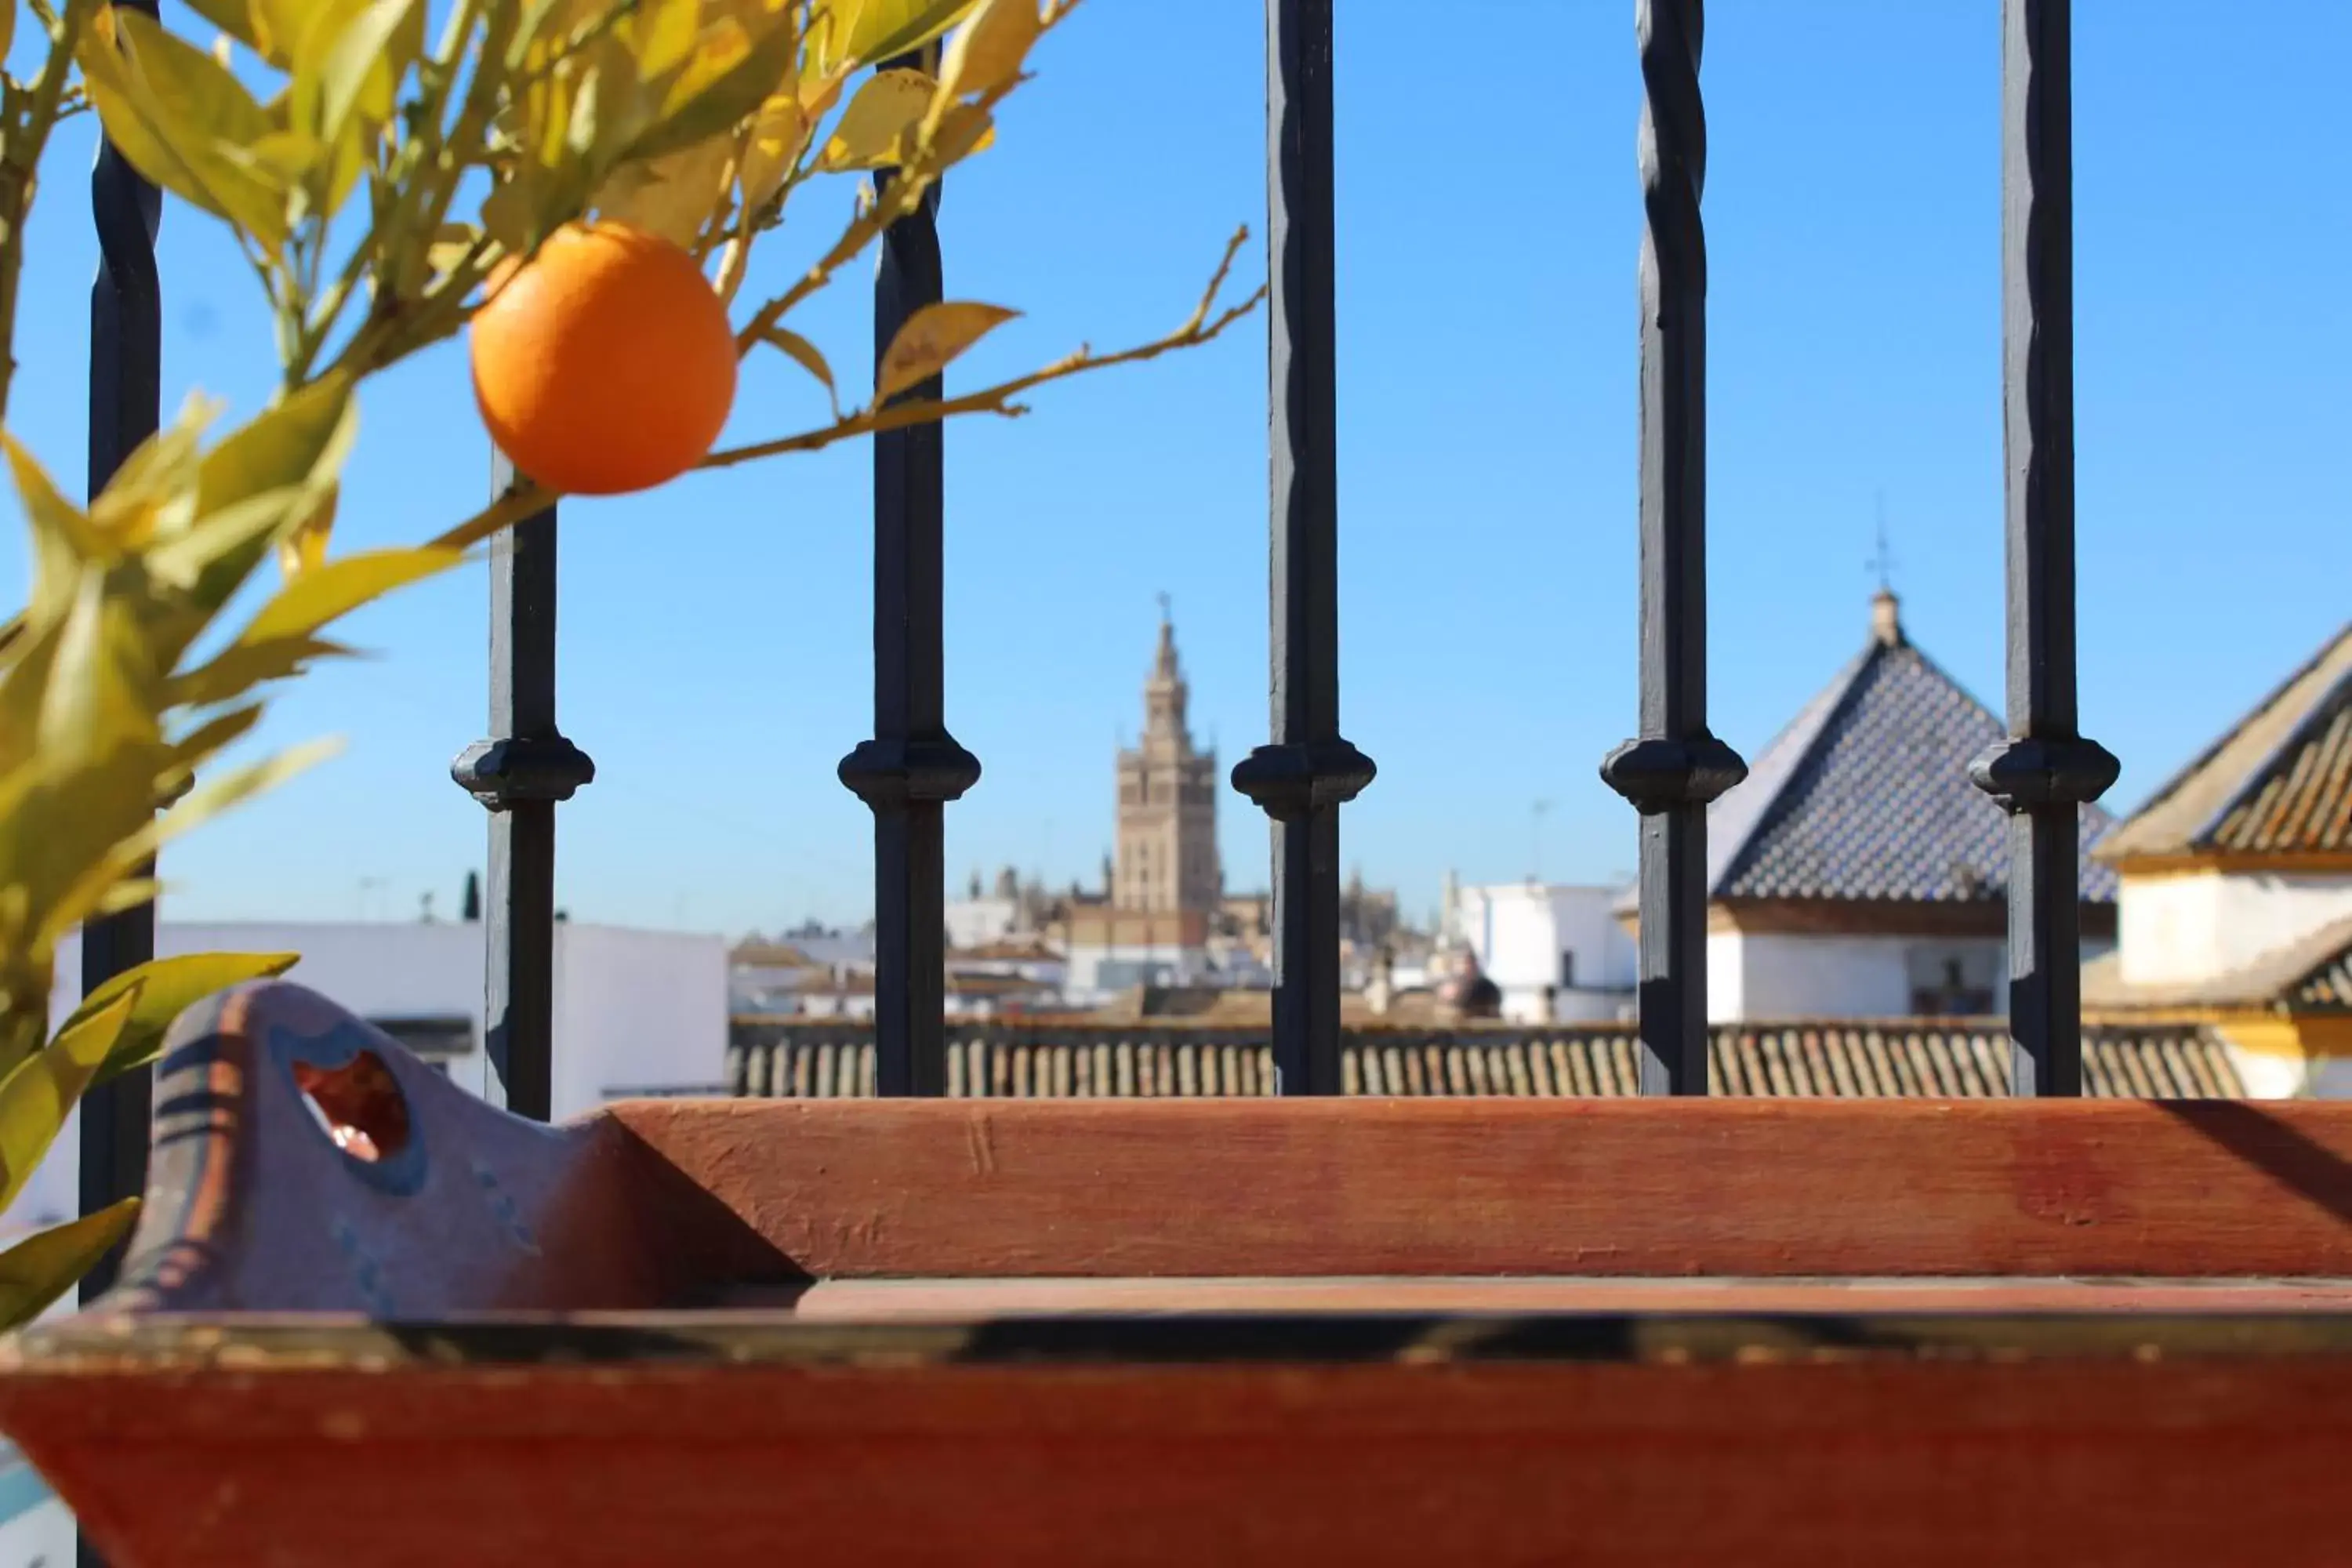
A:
404	1327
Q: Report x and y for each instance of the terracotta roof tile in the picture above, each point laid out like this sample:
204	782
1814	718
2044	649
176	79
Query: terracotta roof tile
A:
2279	782
1960	1059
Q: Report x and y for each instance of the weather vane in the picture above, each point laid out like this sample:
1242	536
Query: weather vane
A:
1167	614
1881	561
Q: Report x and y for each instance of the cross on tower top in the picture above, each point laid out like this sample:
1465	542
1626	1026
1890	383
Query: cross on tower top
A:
1167	612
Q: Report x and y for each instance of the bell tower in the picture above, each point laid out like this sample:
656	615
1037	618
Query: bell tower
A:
1166	800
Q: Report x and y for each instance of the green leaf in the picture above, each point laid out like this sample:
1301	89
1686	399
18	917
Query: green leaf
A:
48	1263
38	1093
727	99
162	989
340	586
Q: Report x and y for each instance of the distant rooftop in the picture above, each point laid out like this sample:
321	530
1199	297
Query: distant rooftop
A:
1866	794
2278	783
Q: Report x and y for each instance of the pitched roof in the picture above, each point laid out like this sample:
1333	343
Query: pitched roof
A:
2278	782
1866	794
1966	1060
2310	974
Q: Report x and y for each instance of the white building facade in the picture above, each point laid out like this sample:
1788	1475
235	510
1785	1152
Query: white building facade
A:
1558	952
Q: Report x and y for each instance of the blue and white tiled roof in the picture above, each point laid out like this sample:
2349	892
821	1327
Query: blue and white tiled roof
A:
1866	796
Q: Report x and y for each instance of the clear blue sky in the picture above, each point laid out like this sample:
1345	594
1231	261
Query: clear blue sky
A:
715	635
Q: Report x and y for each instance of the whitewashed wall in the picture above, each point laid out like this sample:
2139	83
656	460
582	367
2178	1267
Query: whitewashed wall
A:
2187	928
976	922
1768	975
636	1010
1519	930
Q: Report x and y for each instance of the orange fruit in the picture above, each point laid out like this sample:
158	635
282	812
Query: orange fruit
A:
606	363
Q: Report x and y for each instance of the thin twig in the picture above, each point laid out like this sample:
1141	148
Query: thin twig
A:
1201	328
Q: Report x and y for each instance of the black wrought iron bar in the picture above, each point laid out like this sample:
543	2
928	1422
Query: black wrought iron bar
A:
2046	772
911	767
519	773
1675	766
126	406
1309	770
126	378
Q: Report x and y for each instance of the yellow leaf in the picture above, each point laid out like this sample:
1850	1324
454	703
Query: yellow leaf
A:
155	487
7	25
452	244
199	804
48	1263
40	1090
198	746
732	72
932	337
233	18
773	148
302	439
868	134
160	990
63	537
510	214
304	546
674	195
339	587
666	32
965	129
171	110
102	689
989	49
236	670
357	64
805	353
866	32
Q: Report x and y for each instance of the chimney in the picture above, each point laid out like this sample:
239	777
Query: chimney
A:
1886	618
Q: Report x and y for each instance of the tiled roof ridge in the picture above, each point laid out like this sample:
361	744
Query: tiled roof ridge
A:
2325	703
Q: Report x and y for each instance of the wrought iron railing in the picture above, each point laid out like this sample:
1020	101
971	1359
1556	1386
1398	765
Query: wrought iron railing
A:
912	766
